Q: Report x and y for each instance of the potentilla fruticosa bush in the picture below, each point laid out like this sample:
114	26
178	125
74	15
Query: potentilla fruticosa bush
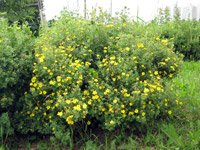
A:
88	70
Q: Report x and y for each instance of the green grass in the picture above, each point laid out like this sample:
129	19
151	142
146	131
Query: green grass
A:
187	84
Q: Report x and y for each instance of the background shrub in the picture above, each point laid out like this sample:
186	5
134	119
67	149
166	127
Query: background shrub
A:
185	34
16	58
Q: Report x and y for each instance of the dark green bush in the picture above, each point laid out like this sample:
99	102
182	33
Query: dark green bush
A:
16	58
186	36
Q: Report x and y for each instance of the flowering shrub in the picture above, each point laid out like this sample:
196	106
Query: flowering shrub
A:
87	71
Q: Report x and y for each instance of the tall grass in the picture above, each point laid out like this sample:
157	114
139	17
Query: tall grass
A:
187	85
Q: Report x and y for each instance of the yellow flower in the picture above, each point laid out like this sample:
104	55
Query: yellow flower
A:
33	79
74	101
159	88
84	106
77	107
127	49
112	122
126	95
134	58
32	115
136	92
89	102
95	80
41	59
123	74
88	122
157	38
85	92
115	101
106	91
95	97
45	68
131	113
111	110
112	58
48	107
114	79
164	42
136	111
140	45
123	111
60	113
143	114
40	84
156	73
146	90
169	112
58	78
170	75
68	101
69	120
94	93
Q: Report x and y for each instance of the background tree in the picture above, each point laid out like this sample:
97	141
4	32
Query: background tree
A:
22	11
177	13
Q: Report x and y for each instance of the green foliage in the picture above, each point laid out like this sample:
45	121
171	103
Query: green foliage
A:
17	10
5	127
186	37
91	73
185	33
15	62
21	11
187	86
16	57
173	136
90	145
